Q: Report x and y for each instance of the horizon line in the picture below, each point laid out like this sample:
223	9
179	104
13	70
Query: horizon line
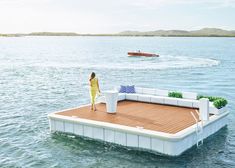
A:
74	32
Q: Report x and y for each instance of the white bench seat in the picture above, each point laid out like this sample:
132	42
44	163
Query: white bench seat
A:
185	102
159	96
157	99
144	98
171	101
195	103
121	96
132	96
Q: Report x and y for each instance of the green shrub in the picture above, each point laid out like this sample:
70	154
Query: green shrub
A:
211	98
175	94
219	103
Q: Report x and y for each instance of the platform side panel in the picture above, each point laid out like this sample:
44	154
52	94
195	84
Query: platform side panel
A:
78	129
68	127
52	124
98	133
88	131
214	127
120	138
157	145
173	148
132	140
109	135
144	142
178	147
59	125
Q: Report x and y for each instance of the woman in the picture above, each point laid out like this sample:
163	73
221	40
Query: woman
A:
94	88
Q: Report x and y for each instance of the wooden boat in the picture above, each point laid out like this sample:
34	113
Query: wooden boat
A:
143	54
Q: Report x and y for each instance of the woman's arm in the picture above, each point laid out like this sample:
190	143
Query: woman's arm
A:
98	86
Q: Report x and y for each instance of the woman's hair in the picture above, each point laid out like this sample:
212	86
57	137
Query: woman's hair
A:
92	76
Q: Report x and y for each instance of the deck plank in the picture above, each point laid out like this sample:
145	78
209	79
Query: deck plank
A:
163	118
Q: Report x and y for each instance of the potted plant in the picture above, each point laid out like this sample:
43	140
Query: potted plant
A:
217	104
175	94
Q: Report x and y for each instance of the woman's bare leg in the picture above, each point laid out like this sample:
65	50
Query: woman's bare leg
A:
92	107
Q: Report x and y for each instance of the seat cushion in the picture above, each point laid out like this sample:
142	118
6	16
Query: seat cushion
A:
195	103
132	96
121	96
144	98
171	101
185	102
157	99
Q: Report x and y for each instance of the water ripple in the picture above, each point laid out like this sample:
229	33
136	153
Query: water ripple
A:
39	75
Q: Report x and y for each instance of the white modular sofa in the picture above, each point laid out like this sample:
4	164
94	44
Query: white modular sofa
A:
160	96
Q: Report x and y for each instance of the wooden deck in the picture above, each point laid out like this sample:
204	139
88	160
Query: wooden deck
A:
163	118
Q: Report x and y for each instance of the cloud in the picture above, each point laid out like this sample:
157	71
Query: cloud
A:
222	4
133	3
160	3
104	16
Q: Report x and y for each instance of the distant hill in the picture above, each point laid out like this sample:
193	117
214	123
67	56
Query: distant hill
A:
205	32
52	34
213	32
10	35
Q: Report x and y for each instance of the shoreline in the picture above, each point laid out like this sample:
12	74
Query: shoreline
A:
110	35
205	32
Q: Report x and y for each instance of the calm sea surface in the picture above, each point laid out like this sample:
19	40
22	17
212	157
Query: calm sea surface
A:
40	75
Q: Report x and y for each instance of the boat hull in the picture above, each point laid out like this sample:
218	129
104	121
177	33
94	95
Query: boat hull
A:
141	54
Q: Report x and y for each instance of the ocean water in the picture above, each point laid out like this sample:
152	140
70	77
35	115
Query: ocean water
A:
40	75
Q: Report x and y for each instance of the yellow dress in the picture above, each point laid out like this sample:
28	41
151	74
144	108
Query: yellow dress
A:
93	89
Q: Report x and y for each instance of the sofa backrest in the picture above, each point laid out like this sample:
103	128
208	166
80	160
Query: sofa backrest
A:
189	95
149	91
139	90
160	92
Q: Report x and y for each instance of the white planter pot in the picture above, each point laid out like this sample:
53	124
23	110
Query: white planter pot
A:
111	98
214	110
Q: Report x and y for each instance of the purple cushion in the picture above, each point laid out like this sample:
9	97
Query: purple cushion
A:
122	89
130	89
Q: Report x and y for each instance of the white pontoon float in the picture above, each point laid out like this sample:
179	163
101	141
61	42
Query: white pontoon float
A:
145	120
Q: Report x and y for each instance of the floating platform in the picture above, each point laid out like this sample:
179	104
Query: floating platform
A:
153	127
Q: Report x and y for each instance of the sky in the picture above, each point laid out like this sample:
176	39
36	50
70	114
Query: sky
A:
113	16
